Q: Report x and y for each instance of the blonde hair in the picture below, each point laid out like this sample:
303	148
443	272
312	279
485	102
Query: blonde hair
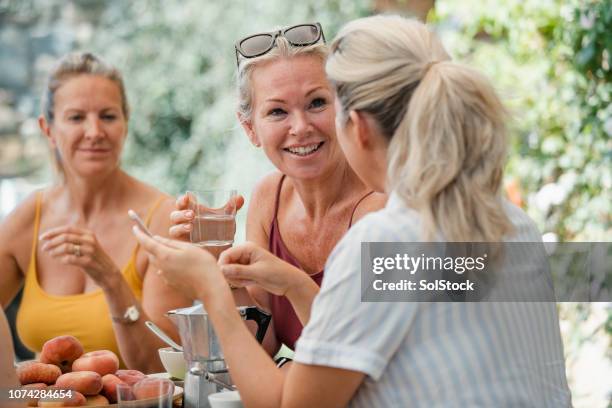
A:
282	49
444	121
75	64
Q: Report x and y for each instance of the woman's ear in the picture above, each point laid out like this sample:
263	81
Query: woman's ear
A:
362	129
247	125
45	128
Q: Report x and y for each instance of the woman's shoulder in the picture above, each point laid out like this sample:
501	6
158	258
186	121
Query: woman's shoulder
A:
262	203
155	205
525	228
263	196
371	202
267	187
18	224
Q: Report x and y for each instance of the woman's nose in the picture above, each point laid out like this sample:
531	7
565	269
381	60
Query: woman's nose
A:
300	124
93	128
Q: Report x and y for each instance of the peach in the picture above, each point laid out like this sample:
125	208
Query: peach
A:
96	400
85	382
109	386
33	402
152	388
75	400
31	372
102	362
61	351
130	377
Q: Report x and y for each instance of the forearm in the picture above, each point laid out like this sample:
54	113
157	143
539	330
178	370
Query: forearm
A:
137	345
8	376
243	354
301	295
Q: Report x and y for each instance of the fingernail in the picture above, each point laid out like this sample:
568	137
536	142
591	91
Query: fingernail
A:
44	247
189	214
187	227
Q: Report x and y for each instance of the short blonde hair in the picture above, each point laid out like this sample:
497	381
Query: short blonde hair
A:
445	123
283	49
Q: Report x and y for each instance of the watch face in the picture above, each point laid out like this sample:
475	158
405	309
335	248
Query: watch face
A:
132	313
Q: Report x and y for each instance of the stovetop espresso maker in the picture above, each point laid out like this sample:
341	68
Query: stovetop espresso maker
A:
206	369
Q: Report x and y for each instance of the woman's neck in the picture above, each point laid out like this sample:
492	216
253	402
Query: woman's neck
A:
88	197
319	195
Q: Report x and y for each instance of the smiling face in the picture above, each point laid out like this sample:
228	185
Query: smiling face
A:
89	125
293	116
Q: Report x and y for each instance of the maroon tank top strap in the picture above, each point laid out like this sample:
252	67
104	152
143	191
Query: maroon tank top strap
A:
275	243
278	194
355	207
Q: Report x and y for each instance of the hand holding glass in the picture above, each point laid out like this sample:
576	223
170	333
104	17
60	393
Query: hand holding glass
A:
214	222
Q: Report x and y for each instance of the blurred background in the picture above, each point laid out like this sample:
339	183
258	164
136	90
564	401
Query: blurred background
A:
550	61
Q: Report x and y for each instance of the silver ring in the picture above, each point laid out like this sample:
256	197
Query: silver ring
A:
77	250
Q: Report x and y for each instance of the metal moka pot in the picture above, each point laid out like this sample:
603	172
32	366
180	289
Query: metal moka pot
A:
206	369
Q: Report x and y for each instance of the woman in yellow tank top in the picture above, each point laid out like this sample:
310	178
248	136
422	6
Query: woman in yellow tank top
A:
71	243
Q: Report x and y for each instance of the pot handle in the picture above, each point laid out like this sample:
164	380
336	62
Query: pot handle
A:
259	316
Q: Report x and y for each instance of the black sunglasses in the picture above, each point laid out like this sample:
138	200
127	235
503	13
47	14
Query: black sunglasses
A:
259	44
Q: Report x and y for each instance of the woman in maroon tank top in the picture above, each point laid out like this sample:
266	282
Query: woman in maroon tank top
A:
299	213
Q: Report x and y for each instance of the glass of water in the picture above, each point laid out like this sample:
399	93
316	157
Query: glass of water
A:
214	224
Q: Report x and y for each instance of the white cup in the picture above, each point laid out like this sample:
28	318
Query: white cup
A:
225	399
173	361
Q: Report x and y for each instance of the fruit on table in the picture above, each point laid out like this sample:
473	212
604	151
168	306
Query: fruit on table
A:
96	400
61	351
33	402
109	386
31	372
85	382
130	377
102	362
75	400
151	388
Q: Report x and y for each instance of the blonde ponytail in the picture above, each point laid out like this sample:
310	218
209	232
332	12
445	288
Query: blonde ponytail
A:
444	121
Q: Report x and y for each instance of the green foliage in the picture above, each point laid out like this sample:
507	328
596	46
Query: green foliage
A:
551	62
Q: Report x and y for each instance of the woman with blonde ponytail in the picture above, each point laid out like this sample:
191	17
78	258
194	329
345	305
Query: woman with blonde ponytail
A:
431	133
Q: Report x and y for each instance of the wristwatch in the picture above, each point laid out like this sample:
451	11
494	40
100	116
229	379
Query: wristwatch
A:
131	315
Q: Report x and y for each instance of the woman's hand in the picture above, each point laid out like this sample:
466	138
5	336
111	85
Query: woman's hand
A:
191	270
182	218
248	263
79	247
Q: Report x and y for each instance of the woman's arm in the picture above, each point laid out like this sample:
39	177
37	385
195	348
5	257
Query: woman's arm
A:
137	344
196	273
249	262
16	235
259	218
8	376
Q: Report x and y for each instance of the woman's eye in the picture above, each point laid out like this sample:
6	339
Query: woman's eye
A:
75	118
109	117
276	112
318	103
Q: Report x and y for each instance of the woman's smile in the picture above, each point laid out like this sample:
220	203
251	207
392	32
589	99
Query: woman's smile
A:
304	150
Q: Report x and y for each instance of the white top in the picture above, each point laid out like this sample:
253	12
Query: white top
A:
432	354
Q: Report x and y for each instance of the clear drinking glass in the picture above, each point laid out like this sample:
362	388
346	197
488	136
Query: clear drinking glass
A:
214	224
147	393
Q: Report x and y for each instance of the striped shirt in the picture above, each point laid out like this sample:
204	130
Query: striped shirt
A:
433	354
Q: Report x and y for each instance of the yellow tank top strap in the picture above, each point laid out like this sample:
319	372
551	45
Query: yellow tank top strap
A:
36	225
130	273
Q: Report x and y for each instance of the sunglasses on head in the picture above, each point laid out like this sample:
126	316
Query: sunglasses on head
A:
299	35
